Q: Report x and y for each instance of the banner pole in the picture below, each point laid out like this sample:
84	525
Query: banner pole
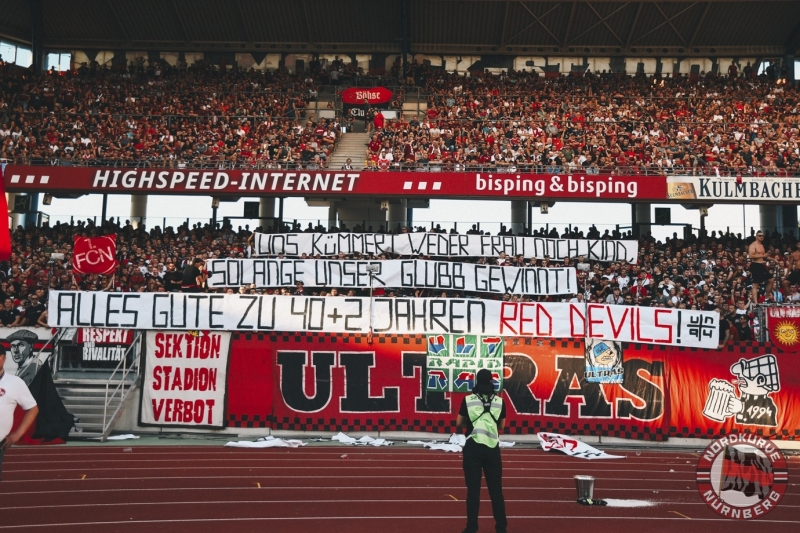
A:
371	277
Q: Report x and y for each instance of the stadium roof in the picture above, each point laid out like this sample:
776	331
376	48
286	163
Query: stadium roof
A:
645	27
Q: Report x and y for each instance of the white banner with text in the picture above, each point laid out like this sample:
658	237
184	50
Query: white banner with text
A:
245	312
185	379
394	274
442	245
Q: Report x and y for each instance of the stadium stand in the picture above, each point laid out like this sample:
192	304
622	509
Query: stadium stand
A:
701	272
199	117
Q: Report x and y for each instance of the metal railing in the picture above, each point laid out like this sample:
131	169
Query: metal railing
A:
134	353
526	168
51	341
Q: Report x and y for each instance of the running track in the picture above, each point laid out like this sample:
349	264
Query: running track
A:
198	489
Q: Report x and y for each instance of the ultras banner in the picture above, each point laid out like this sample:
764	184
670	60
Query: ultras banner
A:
185	379
442	245
323	382
745	387
244	312
399	274
344	383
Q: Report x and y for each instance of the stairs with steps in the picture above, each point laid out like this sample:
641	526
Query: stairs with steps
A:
85	399
352	145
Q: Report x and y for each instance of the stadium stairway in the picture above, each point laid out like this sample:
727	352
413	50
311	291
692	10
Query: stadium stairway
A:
85	399
352	145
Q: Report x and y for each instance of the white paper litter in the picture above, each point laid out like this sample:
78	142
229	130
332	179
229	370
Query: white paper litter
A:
127	436
628	503
572	447
267	442
457	439
363	441
455	443
443	447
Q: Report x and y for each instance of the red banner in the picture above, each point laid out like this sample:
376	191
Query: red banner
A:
746	387
373	95
783	325
5	234
332	183
343	383
95	255
250	387
337	382
104	336
99	348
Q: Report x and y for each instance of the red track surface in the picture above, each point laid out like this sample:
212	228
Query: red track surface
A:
211	489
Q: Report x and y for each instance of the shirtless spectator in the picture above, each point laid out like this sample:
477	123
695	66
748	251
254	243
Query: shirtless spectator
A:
759	272
793	277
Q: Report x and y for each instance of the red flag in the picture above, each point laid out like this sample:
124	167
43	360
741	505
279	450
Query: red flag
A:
5	231
783	324
95	255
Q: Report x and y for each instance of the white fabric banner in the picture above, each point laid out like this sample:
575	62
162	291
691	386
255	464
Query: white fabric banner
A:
572	447
395	274
245	312
442	245
185	379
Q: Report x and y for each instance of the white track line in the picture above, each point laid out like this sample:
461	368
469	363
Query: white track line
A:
318	450
354	467
243	502
317	487
429	459
381	518
160	478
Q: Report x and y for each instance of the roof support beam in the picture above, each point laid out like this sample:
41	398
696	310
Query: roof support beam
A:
633	25
242	20
505	25
122	28
702	19
671	25
537	20
310	35
676	15
602	21
572	11
180	21
793	41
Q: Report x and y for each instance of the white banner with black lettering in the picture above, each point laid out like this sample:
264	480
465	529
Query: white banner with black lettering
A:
185	379
442	245
245	312
394	274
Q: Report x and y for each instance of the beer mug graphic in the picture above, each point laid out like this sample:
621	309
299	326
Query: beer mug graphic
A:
719	392
681	190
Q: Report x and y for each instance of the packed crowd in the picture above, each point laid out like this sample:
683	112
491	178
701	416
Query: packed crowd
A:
705	273
598	123
162	116
159	115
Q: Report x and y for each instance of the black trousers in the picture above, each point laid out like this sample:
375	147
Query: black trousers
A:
2	454
478	459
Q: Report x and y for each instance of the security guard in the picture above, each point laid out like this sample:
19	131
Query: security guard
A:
483	413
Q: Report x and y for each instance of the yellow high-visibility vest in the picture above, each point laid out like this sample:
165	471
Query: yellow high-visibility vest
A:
484	413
